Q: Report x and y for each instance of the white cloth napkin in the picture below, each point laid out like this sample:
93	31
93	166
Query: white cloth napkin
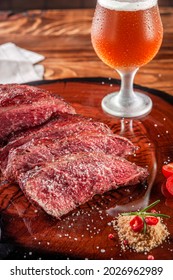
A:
17	65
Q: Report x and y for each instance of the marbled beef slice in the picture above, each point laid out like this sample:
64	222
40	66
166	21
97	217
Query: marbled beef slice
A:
57	128
61	186
37	151
21	107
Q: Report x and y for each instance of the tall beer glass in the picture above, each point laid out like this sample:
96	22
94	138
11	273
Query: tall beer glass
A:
126	34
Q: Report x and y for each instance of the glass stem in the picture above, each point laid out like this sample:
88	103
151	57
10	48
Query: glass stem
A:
126	95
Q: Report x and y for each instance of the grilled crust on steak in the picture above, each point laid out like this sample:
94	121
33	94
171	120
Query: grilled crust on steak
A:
37	151
59	187
25	106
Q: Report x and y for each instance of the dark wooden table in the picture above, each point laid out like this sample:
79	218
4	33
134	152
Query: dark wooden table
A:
63	37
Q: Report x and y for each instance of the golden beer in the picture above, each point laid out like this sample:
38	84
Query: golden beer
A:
126	38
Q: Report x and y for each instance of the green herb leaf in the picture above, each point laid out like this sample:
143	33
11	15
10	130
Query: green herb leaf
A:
146	214
130	214
150	206
145	226
143	213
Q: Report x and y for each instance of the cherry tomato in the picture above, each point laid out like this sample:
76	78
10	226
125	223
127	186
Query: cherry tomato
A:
151	221
165	191
169	184
137	224
167	169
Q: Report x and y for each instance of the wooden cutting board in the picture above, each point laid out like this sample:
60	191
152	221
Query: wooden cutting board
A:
29	233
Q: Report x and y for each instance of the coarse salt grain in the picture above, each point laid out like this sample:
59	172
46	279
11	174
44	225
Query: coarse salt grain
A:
139	242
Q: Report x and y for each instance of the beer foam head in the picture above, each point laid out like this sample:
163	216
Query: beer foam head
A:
127	5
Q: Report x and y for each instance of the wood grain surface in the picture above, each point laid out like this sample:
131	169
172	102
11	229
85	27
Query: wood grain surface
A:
19	5
63	37
29	233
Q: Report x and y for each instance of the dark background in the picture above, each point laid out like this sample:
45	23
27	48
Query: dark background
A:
56	4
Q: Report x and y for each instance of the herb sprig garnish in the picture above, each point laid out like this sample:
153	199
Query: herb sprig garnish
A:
143	218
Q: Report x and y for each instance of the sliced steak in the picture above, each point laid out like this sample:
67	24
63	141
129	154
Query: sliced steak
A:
61	186
25	106
14	94
36	152
62	126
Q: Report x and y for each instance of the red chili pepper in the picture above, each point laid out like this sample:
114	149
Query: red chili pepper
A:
137	224
111	236
151	221
125	242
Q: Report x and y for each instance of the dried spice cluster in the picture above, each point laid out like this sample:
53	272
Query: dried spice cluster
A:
141	231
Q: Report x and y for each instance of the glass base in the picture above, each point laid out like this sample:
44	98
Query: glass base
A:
140	106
